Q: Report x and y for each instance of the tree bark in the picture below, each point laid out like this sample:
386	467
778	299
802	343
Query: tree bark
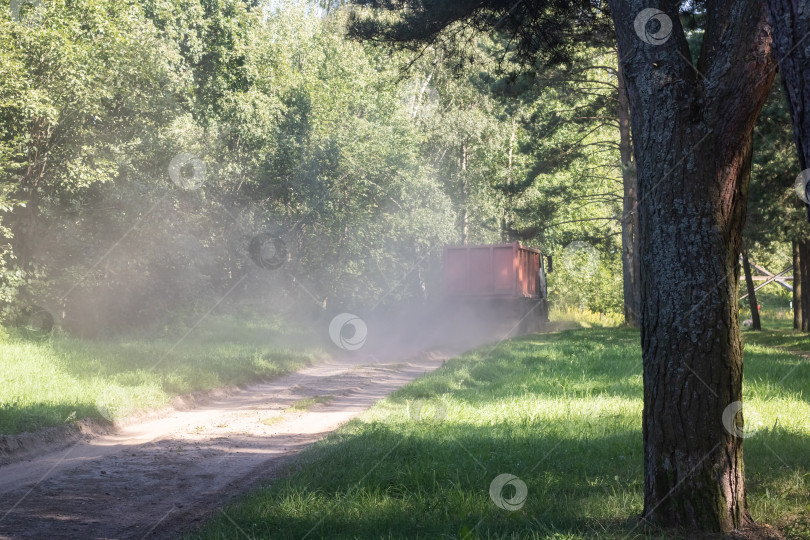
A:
630	258
752	294
797	288
692	130
804	264
506	221
790	20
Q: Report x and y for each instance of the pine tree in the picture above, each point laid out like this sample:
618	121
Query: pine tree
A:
692	123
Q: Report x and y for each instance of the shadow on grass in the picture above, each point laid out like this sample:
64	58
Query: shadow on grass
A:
572	363
49	379
406	480
580	456
434	483
16	418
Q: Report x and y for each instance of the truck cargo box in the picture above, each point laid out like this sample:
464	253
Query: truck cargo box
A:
497	288
498	270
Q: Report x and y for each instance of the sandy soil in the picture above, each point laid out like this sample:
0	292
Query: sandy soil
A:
158	478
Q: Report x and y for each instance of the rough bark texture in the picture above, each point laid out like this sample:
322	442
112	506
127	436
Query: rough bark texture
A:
752	294
630	240
791	26
797	288
692	130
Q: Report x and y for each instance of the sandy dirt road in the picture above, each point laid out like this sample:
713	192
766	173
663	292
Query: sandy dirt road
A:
159	478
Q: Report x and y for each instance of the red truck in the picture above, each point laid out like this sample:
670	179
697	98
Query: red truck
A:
500	284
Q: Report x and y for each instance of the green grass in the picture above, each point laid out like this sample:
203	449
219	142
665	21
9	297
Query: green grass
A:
273	420
560	411
779	333
566	317
49	380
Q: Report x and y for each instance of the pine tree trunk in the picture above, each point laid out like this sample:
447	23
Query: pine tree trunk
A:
752	294
692	129
630	259
804	264
791	26
797	288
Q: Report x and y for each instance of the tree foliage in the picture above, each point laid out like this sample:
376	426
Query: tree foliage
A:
364	161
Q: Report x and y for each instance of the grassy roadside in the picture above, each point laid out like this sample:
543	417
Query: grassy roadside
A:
559	411
779	333
48	381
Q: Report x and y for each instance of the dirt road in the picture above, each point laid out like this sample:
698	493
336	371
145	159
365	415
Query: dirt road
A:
159	478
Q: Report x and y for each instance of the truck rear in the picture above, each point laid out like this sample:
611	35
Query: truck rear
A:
498	286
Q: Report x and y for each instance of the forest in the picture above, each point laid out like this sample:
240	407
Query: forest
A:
145	145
